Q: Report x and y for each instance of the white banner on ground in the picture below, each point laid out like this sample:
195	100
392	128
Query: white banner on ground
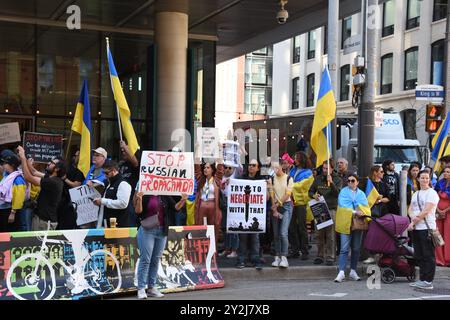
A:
82	196
166	173
231	157
246	206
208	140
9	132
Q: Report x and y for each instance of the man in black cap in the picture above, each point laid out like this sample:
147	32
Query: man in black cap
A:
51	191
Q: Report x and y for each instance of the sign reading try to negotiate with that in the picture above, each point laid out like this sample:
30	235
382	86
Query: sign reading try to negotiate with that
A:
42	147
166	173
430	92
246	206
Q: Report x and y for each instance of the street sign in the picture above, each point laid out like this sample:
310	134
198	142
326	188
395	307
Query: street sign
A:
352	44
378	119
430	92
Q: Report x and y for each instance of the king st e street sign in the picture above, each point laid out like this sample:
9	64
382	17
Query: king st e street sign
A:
430	92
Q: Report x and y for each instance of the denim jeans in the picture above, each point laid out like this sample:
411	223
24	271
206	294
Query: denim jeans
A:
353	241
281	229
26	216
180	218
246	240
232	241
151	246
132	217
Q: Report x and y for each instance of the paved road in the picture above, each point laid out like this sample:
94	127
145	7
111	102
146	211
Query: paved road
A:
313	290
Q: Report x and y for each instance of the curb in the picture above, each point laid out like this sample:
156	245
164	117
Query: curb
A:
302	273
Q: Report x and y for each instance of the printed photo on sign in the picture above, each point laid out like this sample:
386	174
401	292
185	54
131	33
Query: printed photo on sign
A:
166	173
231	156
321	213
42	147
208	139
246	206
82	198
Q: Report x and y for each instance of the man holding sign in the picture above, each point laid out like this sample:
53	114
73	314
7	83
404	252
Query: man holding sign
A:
116	196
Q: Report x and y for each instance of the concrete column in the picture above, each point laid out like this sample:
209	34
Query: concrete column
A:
426	16
171	39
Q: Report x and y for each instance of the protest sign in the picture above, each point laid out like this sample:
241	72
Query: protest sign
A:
9	132
231	157
208	139
42	147
166	173
82	196
321	213
246	206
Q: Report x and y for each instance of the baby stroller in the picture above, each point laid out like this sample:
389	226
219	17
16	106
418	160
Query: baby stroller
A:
385	237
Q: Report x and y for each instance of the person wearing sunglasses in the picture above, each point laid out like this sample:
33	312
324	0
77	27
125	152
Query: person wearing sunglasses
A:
351	202
51	190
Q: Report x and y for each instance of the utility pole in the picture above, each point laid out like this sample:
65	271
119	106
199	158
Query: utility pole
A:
446	60
333	55
366	109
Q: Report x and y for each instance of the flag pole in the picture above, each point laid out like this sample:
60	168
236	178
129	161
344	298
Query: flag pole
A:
328	153
112	88
68	143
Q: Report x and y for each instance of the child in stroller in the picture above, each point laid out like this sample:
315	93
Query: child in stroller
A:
385	237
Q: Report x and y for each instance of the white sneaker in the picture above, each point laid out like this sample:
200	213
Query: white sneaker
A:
284	263
232	255
276	262
141	294
369	260
354	275
340	277
153	292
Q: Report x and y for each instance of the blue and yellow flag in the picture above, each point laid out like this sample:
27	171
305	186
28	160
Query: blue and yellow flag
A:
348	201
440	140
371	193
123	110
324	114
82	125
303	179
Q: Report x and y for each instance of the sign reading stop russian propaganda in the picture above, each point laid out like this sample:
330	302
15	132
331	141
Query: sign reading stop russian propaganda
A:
42	147
166	173
246	206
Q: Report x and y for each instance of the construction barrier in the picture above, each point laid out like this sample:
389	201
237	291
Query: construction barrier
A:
72	264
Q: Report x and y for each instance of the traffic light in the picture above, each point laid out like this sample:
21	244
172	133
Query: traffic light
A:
433	117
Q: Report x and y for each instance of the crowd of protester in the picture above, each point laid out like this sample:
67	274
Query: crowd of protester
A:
36	197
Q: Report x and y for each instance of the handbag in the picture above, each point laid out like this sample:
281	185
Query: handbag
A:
434	235
359	223
150	222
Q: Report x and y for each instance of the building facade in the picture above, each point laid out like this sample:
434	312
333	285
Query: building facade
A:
411	35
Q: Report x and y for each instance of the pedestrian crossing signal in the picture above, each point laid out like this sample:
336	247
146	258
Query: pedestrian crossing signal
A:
433	117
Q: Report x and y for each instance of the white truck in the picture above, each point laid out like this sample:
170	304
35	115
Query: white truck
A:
389	143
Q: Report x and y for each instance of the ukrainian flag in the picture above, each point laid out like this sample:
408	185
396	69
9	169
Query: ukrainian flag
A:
82	125
440	140
303	180
371	193
324	114
347	202
123	110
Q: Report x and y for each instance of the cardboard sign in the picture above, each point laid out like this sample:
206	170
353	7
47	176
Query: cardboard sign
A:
42	147
9	132
166	173
208	139
321	213
231	156
246	206
82	196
